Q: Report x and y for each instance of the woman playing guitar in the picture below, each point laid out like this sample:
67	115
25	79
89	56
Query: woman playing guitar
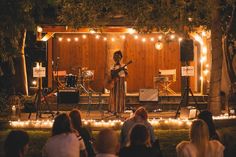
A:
117	81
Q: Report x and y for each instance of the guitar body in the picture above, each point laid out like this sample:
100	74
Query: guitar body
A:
114	76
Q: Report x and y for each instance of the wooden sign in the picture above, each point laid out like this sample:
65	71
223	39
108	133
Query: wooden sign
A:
187	71
39	72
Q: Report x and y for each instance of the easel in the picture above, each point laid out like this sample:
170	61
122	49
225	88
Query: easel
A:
39	72
185	95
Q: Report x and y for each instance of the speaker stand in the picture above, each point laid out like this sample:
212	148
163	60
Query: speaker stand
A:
38	102
185	98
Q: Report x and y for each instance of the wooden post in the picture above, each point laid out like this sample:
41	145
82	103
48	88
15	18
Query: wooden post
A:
49	61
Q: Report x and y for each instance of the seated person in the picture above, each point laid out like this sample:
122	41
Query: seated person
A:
16	144
199	144
107	143
77	125
64	141
140	116
140	144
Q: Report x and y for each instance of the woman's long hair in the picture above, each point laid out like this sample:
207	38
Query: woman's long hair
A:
62	124
206	116
199	136
76	119
15	143
139	135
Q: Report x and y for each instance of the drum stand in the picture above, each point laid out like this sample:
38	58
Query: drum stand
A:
89	93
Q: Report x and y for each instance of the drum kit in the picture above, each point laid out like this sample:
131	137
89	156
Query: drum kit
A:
83	78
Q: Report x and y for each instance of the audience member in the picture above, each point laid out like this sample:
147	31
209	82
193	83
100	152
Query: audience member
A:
140	116
199	144
140	144
16	144
107	143
206	116
64	141
77	125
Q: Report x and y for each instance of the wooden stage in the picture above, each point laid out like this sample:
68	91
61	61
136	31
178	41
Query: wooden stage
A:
97	105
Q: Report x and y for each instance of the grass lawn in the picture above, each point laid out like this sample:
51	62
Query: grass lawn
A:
168	140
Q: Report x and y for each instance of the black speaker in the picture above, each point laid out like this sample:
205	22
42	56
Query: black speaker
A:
186	50
68	96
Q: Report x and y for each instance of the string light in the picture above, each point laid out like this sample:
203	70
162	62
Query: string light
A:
152	39
60	39
39	29
204	50
198	39
122	36
159	37
180	39
136	37
158	123
172	36
76	39
143	39
84	36
203	33
34	82
97	36
203	59
206	71
112	39
159	45
190	19
131	30
92	31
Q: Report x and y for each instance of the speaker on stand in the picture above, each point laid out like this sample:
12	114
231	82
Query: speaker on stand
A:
186	50
186	55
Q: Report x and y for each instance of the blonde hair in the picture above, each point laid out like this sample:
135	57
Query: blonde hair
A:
199	136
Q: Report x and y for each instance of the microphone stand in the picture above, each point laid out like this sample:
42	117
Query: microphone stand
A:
57	84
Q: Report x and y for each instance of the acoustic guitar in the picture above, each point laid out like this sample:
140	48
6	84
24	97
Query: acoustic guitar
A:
115	74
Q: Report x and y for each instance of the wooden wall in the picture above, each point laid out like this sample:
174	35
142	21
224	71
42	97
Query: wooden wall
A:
94	54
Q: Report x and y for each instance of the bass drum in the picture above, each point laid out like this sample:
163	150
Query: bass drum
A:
71	80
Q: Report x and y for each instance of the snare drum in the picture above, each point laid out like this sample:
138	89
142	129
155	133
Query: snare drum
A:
71	80
88	74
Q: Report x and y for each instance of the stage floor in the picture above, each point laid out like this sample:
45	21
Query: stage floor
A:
95	115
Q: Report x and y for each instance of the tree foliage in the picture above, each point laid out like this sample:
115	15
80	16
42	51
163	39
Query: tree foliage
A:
144	15
17	16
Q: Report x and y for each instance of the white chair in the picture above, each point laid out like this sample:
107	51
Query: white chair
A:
170	77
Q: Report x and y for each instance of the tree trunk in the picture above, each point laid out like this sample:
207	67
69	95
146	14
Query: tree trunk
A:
214	100
25	82
21	82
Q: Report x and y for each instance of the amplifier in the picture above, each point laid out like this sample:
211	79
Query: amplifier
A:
68	96
148	94
188	113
